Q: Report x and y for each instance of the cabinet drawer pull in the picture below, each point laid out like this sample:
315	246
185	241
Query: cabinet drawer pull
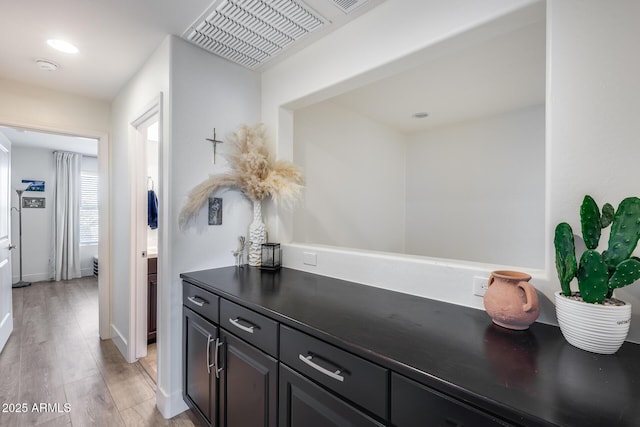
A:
198	301
309	361
210	365
216	358
236	322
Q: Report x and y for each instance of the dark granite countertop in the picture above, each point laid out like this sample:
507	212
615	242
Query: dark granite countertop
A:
532	378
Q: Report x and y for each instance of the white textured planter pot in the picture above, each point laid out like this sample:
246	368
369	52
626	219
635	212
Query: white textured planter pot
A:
593	327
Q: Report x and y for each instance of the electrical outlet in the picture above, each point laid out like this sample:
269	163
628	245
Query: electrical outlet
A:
480	285
310	258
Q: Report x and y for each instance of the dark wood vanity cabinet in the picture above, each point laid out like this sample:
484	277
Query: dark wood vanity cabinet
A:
357	385
244	369
248	367
229	380
200	386
416	405
200	339
303	403
303	350
152	298
248	385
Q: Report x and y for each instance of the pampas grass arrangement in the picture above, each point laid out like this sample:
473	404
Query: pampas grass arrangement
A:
253	172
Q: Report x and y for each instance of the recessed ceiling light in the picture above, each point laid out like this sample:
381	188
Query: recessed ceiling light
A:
62	46
46	65
420	115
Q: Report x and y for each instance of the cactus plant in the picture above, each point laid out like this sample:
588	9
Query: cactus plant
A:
591	223
593	277
599	274
565	256
625	232
607	215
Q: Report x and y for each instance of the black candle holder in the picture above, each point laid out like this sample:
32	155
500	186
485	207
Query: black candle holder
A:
270	256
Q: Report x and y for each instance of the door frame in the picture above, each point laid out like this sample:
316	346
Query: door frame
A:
138	225
104	214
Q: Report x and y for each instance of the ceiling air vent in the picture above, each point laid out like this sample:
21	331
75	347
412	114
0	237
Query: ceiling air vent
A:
349	5
250	32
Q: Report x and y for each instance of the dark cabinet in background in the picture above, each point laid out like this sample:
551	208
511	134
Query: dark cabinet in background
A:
200	386
416	405
228	381
200	339
248	385
244	368
152	298
305	404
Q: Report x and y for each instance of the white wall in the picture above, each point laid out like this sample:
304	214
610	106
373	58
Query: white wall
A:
468	185
130	103
475	190
591	144
38	164
40	108
32	163
593	133
206	92
37	108
200	92
362	211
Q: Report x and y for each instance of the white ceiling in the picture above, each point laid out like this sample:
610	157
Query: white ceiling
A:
115	38
34	139
504	73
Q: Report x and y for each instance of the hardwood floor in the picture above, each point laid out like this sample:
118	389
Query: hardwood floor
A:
57	371
150	362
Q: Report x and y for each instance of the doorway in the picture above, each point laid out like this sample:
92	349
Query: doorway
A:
32	160
146	258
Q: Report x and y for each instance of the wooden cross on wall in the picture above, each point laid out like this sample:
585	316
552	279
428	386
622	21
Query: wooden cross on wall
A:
215	143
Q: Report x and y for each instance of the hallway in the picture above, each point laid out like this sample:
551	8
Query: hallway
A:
56	360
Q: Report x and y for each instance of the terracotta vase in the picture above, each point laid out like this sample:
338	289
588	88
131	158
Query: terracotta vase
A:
510	300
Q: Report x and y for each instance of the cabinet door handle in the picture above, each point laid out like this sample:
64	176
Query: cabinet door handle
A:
198	301
209	364
216	358
236	322
309	361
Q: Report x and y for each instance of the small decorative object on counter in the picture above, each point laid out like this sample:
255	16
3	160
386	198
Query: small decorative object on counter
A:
257	235
511	301
592	319
239	253
270	256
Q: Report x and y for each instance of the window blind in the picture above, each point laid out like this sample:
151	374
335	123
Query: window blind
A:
88	209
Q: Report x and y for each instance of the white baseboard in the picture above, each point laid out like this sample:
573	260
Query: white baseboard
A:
119	341
45	277
86	272
35	277
170	405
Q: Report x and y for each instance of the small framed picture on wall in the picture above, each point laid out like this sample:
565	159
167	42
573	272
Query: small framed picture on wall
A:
215	211
33	185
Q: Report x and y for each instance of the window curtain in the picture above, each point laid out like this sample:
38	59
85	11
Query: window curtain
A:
66	216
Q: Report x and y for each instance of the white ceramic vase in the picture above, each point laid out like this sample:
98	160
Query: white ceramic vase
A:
257	235
593	327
